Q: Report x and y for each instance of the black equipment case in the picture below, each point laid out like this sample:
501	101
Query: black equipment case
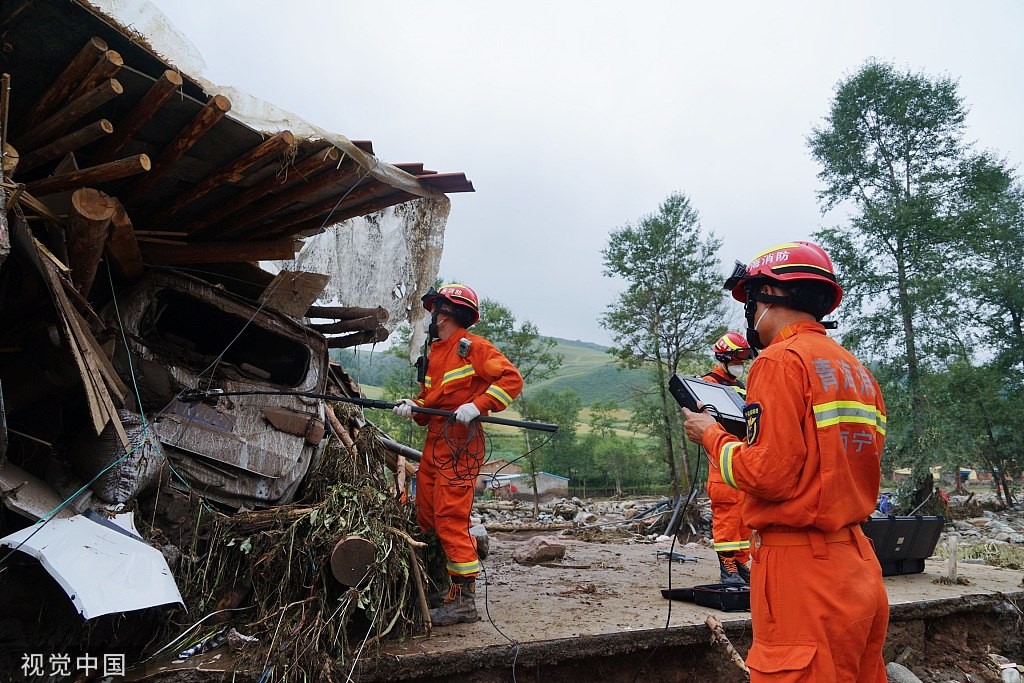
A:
721	596
903	543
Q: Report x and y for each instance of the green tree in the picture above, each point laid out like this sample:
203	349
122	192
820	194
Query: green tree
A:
672	305
531	353
892	149
398	383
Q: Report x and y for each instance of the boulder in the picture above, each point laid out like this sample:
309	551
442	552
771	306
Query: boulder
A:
539	549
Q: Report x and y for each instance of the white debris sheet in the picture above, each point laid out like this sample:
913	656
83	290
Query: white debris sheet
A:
104	567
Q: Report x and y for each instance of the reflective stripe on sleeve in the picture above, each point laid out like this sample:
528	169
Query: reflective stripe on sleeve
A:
500	394
725	462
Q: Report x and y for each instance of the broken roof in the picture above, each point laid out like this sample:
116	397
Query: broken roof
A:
192	176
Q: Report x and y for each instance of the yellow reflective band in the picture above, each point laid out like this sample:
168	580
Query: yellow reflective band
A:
728	342
427	382
777	247
726	546
725	462
849	412
500	394
457	373
464	568
741	391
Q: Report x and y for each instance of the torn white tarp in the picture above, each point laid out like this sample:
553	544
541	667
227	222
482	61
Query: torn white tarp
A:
103	565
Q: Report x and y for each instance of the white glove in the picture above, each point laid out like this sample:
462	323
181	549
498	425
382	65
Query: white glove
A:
466	413
404	408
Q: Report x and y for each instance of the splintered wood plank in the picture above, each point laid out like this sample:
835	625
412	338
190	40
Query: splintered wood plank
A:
292	293
122	247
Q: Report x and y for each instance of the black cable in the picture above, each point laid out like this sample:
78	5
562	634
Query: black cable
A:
675	537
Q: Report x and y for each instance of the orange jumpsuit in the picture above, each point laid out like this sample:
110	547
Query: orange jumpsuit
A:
811	467
453	452
731	535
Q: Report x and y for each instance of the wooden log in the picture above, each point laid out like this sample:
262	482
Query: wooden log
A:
421	593
298	192
201	123
144	110
5	105
122	248
91	211
54	126
351	325
69	143
229	173
292	293
718	636
319	160
351	560
103	173
106	67
94	50
347	312
315	219
357	338
216	252
11	160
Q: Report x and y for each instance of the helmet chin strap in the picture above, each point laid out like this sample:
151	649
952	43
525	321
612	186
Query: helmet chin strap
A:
750	309
432	331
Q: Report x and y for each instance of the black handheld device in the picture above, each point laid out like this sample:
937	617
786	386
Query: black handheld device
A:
725	402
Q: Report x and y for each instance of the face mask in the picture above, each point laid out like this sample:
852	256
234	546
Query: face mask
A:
736	369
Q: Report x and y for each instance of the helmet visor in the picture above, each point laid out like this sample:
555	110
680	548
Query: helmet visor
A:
739	273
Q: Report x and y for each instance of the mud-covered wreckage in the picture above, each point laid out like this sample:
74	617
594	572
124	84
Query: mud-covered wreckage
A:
138	202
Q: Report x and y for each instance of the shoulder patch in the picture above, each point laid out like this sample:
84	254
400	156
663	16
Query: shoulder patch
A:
752	412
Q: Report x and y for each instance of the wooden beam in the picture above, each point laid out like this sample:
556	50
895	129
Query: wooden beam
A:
242	222
122	248
5	104
320	160
383	197
347	312
93	50
229	173
106	67
216	252
93	175
144	110
69	143
357	338
55	126
369	323
321	209
91	211
207	118
12	159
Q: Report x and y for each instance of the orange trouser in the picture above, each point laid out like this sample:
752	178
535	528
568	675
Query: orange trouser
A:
727	528
818	608
444	498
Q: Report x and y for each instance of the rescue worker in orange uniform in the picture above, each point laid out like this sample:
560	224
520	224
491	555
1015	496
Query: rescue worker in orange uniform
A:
731	535
467	375
810	467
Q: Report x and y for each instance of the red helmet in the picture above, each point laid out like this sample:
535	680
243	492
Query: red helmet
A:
457	294
732	346
787	263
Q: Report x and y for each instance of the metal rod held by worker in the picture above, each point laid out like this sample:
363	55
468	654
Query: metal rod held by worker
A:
369	403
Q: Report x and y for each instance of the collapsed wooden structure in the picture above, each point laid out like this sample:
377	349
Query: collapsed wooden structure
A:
115	164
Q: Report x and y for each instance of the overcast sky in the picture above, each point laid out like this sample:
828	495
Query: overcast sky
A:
573	119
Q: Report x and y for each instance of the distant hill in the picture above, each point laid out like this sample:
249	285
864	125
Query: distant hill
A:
593	373
588	369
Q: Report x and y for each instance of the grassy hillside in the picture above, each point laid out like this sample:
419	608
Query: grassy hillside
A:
595	375
587	369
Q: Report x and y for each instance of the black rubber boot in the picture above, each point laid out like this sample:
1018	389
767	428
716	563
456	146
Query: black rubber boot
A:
460	605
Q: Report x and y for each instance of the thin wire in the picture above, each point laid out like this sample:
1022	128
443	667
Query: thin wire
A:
671	548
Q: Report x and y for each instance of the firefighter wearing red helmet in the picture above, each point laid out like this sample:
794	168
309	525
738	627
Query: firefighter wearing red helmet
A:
810	467
731	535
465	374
